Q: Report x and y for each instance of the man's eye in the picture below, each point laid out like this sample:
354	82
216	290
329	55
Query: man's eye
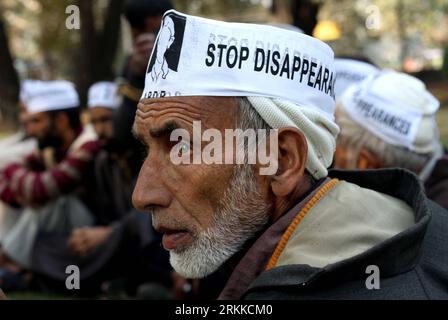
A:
182	149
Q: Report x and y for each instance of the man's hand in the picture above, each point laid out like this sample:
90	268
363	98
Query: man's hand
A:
140	54
83	240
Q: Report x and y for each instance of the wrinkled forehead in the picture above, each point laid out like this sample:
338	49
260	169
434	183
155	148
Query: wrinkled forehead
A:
216	112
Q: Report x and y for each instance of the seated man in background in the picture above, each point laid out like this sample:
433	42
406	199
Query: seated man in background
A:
285	228
47	185
387	121
121	244
112	188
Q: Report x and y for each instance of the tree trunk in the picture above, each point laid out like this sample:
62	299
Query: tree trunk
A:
86	69
9	80
304	14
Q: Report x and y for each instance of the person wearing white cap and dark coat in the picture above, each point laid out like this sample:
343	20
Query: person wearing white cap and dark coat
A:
286	228
46	184
388	120
121	241
103	101
436	185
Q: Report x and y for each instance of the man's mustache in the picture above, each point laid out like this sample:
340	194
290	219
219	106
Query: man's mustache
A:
163	220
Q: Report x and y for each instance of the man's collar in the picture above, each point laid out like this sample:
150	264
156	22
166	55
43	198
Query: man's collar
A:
393	256
243	268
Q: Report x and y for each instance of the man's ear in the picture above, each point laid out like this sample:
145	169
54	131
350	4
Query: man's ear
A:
368	160
292	155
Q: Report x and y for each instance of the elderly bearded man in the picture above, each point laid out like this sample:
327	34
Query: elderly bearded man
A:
300	233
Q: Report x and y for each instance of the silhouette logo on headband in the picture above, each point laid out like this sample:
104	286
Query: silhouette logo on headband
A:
166	54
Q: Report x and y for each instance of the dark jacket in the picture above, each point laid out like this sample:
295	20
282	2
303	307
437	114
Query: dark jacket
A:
437	184
413	264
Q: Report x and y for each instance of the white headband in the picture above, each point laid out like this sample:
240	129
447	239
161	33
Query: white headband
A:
43	96
103	94
349	72
390	120
200	57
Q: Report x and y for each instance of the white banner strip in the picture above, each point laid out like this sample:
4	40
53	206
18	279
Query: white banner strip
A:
200	57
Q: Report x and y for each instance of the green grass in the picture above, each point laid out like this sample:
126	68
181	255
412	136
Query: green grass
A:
35	296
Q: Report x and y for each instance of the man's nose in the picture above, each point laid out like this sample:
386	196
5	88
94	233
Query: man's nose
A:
150	191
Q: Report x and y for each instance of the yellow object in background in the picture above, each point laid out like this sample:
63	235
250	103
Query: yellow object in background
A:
327	30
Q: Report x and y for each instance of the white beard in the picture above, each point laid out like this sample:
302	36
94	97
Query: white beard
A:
240	215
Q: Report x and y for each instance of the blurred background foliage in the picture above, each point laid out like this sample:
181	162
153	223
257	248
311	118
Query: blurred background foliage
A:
407	35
